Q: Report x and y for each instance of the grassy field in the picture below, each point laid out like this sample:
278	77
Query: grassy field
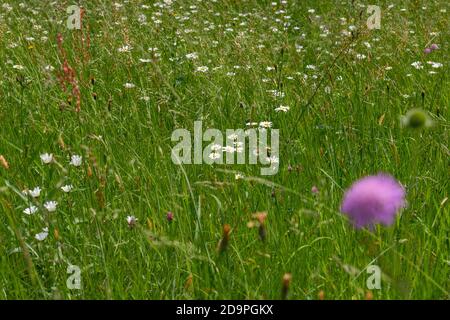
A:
113	92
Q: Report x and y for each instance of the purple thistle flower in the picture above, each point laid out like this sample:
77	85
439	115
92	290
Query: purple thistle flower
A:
372	200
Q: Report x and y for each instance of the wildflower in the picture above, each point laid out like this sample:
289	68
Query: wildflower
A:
192	56
50	206
372	200
47	158
131	220
282	109
238	176
416	118
169	216
427	50
417	64
435	64
76	160
30	210
142	18
36	192
18	67
125	48
314	190
129	85
67	188
265	124
202	69
42	235
434	46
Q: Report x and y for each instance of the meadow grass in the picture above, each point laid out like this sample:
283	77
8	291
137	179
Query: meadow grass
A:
346	88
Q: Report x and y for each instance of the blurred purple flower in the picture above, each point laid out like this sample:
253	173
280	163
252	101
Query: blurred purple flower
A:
427	51
434	46
169	216
372	200
315	190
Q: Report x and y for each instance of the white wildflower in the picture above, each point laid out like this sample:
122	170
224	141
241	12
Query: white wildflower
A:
76	160
50	206
30	210
47	158
42	235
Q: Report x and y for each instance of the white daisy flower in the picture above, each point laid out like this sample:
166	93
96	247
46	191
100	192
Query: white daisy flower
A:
50	206
42	235
36	192
417	64
265	124
30	210
47	158
435	64
282	109
67	188
76	160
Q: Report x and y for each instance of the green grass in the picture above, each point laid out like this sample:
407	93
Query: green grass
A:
343	124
